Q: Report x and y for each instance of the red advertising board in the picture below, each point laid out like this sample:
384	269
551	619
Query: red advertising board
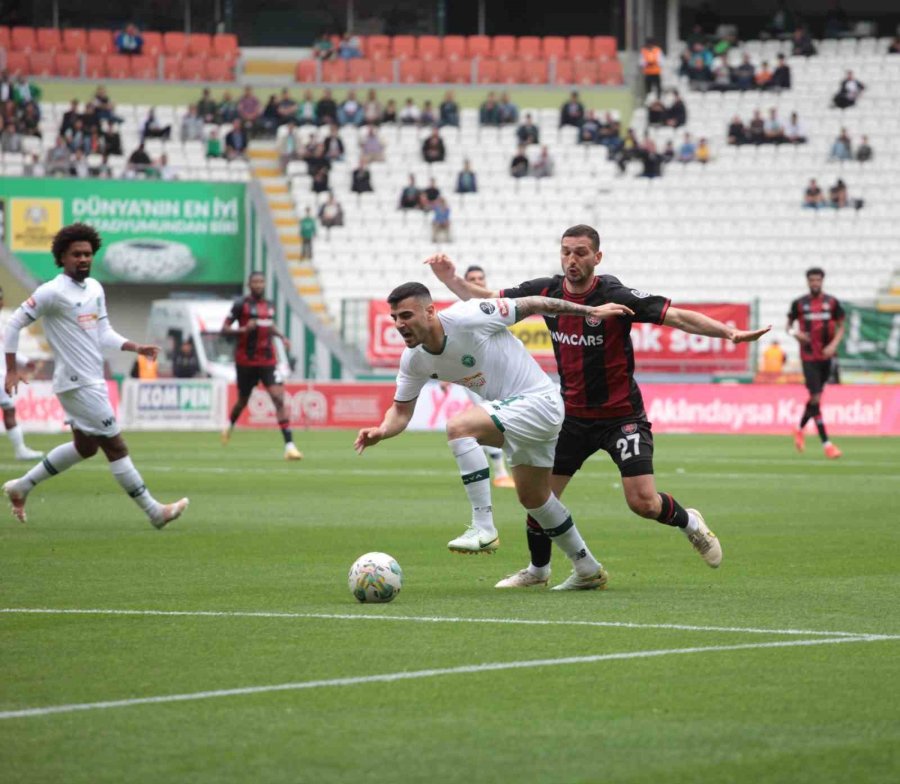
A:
38	409
656	348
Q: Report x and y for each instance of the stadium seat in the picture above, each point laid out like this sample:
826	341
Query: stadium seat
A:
411	71
478	46
503	47
40	63
487	71
535	72
435	71
334	71
428	47
565	72
585	72
359	70
95	66
172	69
200	44
383	71
100	42
48	39
454	47
578	47
219	69
510	71
143	66
553	46
67	64
4	37
459	71
305	71
605	47
378	47
153	43
22	39
118	66
225	45
193	68
403	46
74	40
175	44
610	72
528	47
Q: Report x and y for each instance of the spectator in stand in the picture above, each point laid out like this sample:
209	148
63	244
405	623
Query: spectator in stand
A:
411	196
528	132
610	128
192	125
214	144
334	145
76	138
687	152
676	113
466	181
848	93
371	147
308	229
509	111
71	114
773	128
29	123
287	107
813	198
782	23
764	76
96	142
236	141
207	108
288	144
90	118
572	111
331	213
268	121
894	47
433	147
165	170
79	165
699	65
428	117
320	179
153	129
185	363
249	111
668	153
6	86
628	150
429	196
112	138
652	61
794	132
651	159
518	166
837	195
33	167
409	114
489	111
129	41
781	76
139	162
721	79
227	111
390	112
372	109
841	148
25	91
703	152
306	110
58	158
326	108
745	74
349	46
756	128
801	43
351	111
864	150
589	132
837	25
361	179
656	113
103	105
10	138
448	111
440	220
773	359
323	47
542	165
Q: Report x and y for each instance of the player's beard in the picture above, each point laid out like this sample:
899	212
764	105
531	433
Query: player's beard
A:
81	274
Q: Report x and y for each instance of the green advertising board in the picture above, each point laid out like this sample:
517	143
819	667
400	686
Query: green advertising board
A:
153	232
871	340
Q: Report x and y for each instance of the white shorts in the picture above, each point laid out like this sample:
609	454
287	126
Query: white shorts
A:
530	425
88	409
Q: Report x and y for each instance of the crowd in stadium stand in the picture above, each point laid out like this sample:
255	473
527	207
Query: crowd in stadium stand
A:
838	196
771	130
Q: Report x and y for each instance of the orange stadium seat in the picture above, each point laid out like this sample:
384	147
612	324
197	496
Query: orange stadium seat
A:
175	44
478	46
428	47
49	39
40	63
378	47
528	47
199	44
4	37
172	69
585	72
100	42
382	71
535	72
605	47
403	46
453	47
487	71
411	71
610	72
66	64
565	72
118	66
553	46
334	71
219	69
503	47
143	66
459	71
225	45
359	69
74	40
16	62
578	47
305	71
23	39
153	43
193	68
95	66
510	71
435	71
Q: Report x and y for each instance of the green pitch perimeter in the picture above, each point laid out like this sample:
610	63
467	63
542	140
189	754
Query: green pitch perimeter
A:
782	666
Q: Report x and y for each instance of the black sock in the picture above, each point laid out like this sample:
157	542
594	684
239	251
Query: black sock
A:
820	423
539	544
807	415
672	512
286	432
235	414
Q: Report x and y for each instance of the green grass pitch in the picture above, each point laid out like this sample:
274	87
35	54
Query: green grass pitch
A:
228	648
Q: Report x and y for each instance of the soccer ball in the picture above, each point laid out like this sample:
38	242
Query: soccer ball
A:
375	577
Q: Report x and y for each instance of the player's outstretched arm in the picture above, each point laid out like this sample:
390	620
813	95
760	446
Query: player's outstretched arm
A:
445	271
395	421
699	324
548	306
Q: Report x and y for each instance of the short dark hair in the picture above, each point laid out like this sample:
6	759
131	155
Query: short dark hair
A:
75	232
254	274
473	268
407	290
815	271
583	230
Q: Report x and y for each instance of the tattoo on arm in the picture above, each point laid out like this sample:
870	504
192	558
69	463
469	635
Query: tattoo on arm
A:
546	306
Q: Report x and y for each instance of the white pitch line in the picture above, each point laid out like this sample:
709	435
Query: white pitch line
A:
416	674
434	619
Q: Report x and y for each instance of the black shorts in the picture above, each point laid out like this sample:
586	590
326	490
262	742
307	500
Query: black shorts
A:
816	374
248	376
629	442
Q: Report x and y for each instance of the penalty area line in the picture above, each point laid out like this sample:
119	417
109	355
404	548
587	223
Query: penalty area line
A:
415	675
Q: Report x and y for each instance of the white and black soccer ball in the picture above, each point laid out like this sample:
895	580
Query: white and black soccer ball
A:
375	578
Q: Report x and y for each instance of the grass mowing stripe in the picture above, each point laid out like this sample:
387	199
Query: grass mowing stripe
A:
433	619
417	674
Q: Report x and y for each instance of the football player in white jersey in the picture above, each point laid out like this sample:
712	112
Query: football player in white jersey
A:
13	431
76	324
520	411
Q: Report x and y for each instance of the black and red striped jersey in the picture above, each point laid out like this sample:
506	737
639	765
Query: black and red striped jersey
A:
254	348
595	358
819	318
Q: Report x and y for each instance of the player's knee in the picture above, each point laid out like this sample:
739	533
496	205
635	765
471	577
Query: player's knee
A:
644	505
532	497
86	449
457	428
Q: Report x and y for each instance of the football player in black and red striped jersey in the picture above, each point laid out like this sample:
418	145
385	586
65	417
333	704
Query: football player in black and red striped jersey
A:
604	407
817	321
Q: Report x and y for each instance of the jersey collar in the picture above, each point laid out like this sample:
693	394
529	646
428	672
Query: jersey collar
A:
568	293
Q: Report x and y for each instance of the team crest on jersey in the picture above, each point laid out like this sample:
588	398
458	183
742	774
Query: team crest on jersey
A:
630	428
504	308
640	294
487	307
593	321
468	360
30	302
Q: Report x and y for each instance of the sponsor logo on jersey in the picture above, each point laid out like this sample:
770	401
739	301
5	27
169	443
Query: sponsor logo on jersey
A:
504	307
87	320
630	428
640	294
576	340
468	360
472	382
30	302
487	307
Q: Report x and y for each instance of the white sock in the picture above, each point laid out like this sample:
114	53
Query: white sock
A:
130	480
556	521
541	572
473	467
693	524
496	457
58	460
17	438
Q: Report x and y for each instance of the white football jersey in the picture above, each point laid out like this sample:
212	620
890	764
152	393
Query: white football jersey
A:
72	313
479	353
